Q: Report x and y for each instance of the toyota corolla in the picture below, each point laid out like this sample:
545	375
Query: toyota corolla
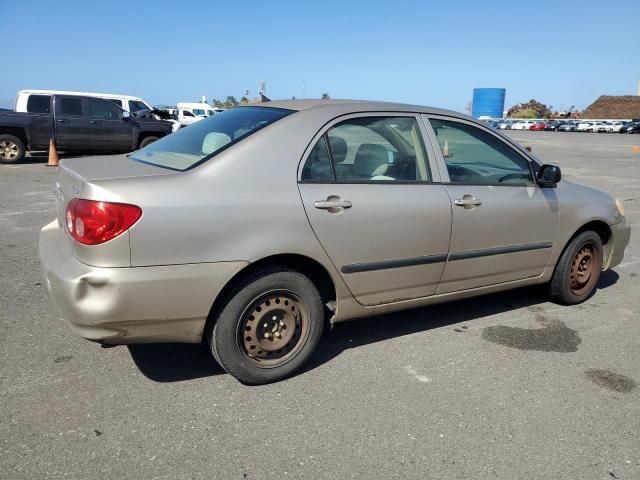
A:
255	229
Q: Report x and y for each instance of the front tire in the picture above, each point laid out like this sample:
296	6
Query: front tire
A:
578	270
147	141
12	150
269	328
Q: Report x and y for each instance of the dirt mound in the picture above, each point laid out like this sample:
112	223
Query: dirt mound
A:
609	106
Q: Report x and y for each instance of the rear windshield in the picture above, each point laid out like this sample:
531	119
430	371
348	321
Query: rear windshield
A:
195	144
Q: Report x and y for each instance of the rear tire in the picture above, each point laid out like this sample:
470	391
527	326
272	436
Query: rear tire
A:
269	327
147	141
12	150
578	270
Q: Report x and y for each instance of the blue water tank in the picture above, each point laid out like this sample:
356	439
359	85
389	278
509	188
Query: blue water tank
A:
488	102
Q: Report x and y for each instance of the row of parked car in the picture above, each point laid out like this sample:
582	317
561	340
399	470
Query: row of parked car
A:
593	126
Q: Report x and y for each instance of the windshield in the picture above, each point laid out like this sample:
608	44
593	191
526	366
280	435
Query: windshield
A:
191	146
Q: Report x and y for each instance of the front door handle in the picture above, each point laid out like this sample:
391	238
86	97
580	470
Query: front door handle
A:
62	120
467	202
333	204
95	122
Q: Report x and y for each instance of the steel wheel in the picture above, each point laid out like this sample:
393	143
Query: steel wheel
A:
583	273
8	150
273	329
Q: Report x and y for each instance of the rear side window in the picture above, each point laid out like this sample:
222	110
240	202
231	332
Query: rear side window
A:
189	147
104	109
71	106
370	149
116	101
39	104
187	113
318	166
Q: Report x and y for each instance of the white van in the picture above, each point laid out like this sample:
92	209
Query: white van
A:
39	101
191	112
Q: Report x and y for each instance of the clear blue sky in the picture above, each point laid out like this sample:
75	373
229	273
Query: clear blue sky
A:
427	52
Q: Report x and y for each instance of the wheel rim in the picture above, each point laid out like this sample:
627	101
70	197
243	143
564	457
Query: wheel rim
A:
273	329
584	269
8	150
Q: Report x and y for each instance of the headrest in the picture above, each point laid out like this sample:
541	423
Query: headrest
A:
338	149
214	141
371	160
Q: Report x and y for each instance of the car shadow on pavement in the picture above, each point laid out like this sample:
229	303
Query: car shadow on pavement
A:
174	362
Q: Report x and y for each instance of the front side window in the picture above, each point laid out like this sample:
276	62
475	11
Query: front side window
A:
187	113
192	146
379	149
135	105
39	104
71	106
476	157
104	109
118	102
199	112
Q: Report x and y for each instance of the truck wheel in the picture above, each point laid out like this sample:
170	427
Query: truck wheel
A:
11	149
578	270
269	327
147	141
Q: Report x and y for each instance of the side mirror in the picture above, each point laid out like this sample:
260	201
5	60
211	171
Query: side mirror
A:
549	176
125	114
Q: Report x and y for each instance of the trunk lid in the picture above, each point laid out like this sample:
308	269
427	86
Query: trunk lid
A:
73	173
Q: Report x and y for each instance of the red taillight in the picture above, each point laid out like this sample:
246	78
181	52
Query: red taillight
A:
91	222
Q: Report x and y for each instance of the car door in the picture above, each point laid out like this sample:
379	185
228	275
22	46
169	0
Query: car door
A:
504	225
72	129
373	201
110	131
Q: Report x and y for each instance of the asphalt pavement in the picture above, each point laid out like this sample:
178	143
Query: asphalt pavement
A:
507	386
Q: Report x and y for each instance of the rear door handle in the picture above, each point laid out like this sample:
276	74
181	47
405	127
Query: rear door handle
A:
333	204
95	122
62	120
467	202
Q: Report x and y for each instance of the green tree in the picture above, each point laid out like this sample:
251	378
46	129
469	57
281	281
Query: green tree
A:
230	102
217	103
325	96
244	100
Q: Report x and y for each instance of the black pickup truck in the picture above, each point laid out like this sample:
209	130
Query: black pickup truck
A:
77	124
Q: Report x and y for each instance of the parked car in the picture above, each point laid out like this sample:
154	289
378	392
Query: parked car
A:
157	114
505	125
189	113
567	127
78	124
631	127
254	229
584	126
522	125
602	127
616	126
551	125
538	126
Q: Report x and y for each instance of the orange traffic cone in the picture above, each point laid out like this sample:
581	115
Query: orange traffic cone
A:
53	154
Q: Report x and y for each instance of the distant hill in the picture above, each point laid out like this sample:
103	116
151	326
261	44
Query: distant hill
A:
609	106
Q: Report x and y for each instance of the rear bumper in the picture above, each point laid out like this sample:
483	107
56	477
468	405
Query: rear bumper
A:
130	305
620	237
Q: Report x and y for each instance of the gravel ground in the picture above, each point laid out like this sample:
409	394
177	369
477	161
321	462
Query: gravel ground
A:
506	386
